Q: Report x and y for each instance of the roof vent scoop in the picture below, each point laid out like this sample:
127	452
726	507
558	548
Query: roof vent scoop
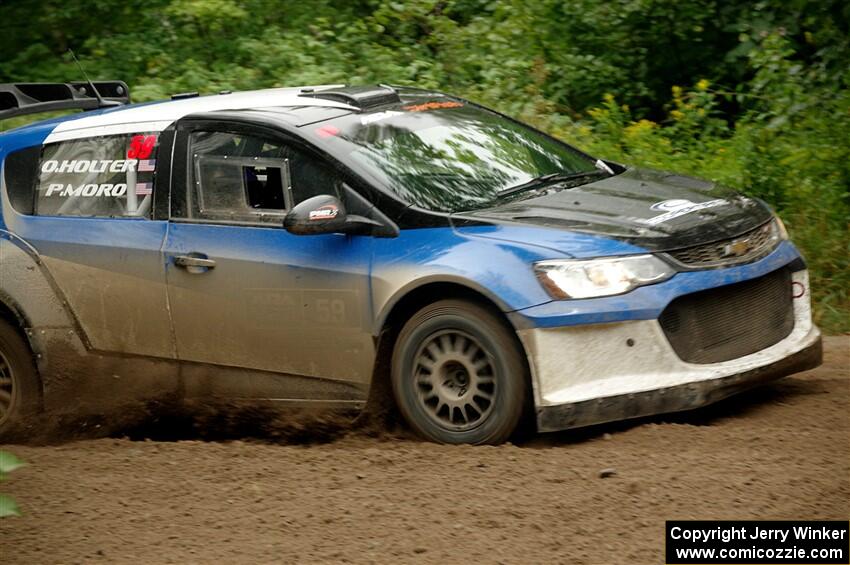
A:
363	97
19	99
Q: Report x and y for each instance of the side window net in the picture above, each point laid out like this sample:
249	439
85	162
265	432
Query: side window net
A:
110	176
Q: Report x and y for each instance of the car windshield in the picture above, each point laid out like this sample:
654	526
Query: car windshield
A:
449	156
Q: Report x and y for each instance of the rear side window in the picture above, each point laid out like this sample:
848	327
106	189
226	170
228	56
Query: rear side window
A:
110	176
21	169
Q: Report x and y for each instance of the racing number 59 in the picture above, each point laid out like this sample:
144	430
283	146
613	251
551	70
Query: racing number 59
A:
330	310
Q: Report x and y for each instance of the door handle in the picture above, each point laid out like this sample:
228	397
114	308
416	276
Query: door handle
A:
194	264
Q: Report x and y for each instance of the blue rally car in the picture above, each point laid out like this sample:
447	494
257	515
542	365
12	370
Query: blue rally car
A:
316	246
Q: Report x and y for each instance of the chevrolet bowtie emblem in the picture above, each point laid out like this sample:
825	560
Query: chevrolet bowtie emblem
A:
737	248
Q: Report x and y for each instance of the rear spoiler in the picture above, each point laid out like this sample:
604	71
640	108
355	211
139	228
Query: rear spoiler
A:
19	99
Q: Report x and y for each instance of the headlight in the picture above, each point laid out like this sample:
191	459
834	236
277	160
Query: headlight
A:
600	277
779	228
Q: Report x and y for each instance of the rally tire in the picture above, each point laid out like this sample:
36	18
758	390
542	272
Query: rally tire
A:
459	374
20	392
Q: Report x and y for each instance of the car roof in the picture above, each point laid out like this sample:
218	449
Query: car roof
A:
157	116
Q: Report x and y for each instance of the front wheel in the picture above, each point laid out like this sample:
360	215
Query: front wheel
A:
459	375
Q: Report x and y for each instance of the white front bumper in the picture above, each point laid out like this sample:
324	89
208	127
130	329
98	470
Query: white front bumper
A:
634	360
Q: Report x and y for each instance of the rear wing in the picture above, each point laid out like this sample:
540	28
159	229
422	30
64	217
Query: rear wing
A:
19	99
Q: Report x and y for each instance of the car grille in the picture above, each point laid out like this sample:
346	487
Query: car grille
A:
746	247
731	321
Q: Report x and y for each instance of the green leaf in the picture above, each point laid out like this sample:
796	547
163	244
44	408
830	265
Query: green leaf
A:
8	507
9	462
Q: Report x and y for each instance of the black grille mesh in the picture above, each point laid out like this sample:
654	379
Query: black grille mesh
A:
731	321
751	245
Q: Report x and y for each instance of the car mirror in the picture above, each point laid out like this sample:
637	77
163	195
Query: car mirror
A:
325	214
316	215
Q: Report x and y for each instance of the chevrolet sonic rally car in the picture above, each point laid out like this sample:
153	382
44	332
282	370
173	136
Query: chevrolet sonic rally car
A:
310	245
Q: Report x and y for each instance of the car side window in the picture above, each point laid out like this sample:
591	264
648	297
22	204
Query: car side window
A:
245	178
108	176
312	177
237	177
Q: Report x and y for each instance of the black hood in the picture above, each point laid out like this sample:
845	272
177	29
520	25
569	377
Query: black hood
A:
656	210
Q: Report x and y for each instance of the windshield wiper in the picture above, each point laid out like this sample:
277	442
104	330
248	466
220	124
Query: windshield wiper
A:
551	178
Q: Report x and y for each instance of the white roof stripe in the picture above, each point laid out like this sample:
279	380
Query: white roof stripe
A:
97	131
145	117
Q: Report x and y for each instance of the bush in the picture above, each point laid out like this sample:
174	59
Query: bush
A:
8	463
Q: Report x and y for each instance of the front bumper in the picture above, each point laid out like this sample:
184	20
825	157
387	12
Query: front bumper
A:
595	373
675	398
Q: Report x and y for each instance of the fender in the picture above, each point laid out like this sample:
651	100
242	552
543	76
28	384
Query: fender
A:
450	255
28	290
412	286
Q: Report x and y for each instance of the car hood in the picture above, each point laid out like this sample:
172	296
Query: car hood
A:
655	210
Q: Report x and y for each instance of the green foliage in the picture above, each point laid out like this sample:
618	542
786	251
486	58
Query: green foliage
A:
751	94
790	149
8	463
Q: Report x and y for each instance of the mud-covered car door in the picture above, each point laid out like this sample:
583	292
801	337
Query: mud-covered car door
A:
91	223
246	294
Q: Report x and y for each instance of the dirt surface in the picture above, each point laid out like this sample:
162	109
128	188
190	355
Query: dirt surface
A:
781	452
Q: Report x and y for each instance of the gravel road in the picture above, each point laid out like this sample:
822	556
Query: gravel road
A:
780	452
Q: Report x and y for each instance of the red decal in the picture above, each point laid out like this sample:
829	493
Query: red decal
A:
327	131
432	106
141	146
